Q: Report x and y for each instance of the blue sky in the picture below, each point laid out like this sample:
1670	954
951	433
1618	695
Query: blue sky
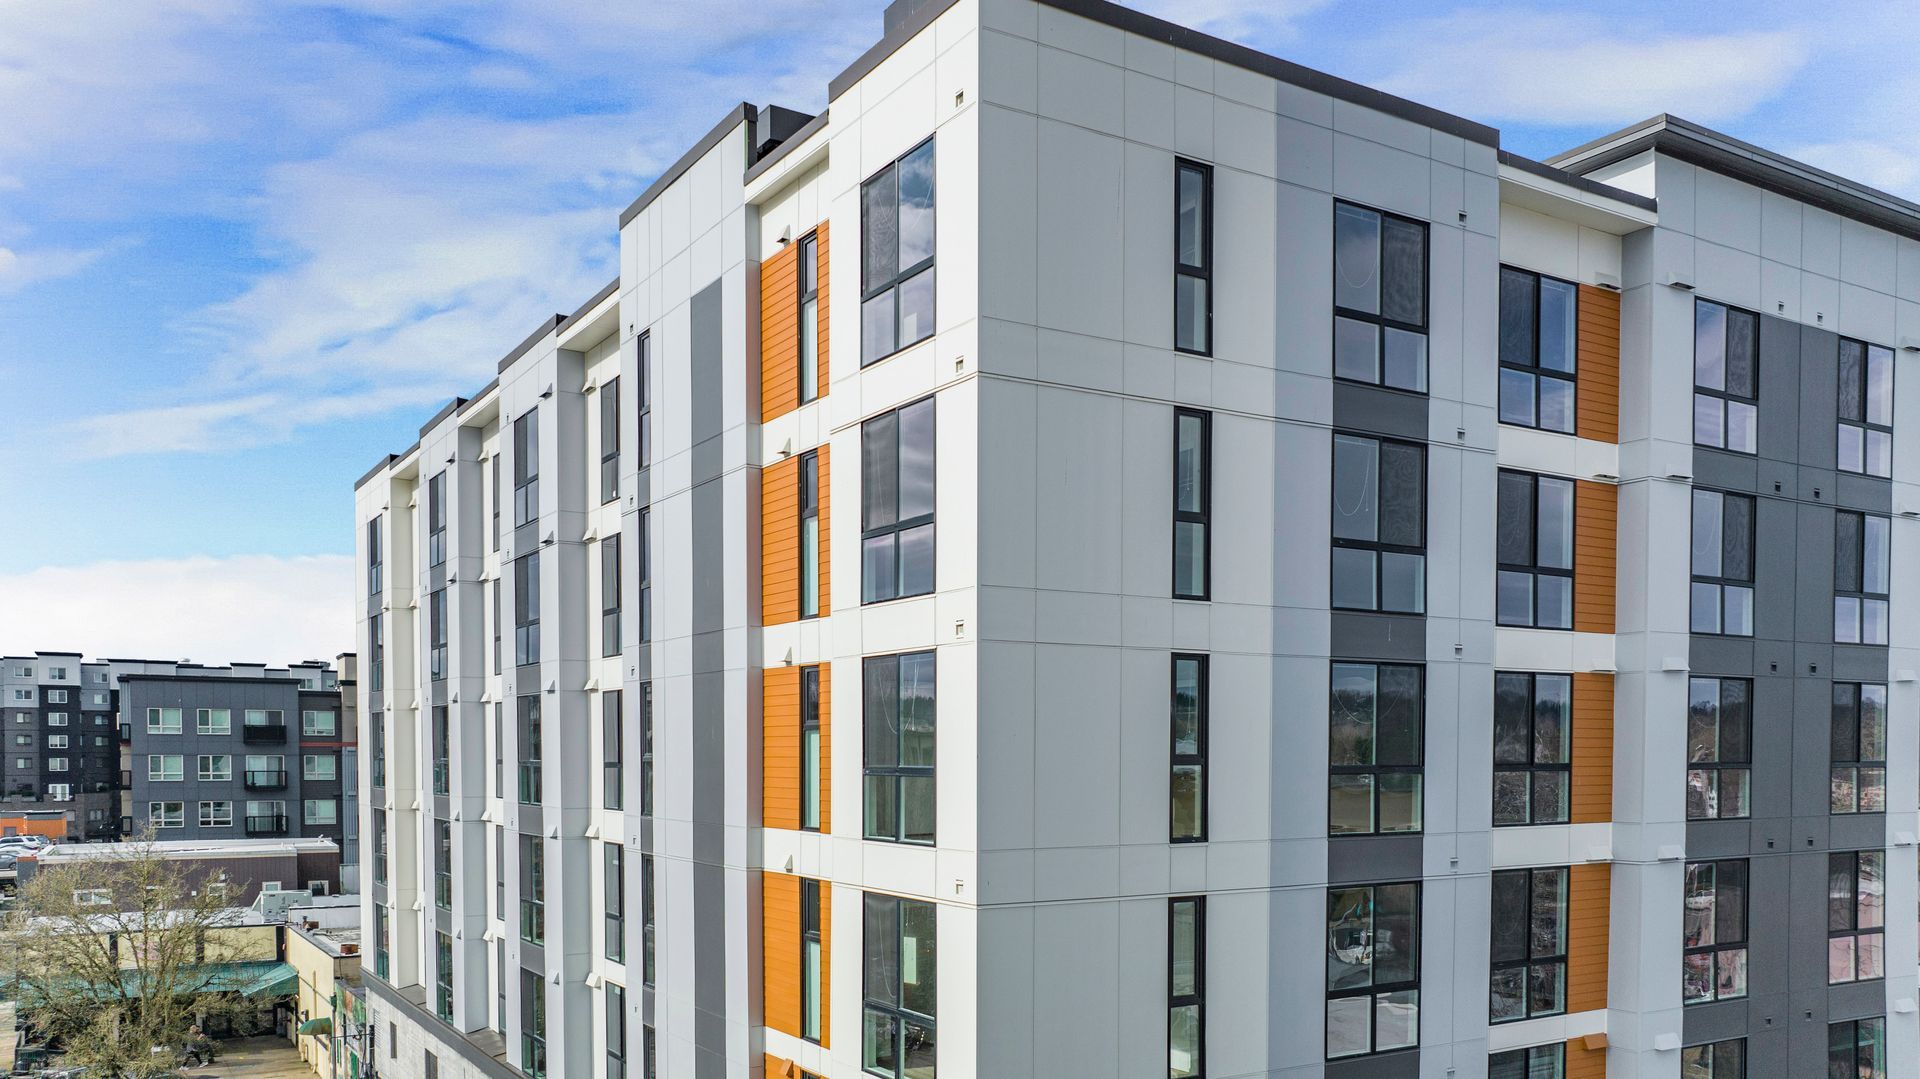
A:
245	248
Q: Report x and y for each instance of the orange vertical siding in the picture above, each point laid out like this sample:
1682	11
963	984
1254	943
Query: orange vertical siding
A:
780	747
826	761
826	928
1597	367
824	308
1585	1063
1595	528
780	542
826	548
1588	915
780	333
1592	795
780	951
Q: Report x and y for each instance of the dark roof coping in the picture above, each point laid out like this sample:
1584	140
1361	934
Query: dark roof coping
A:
1590	186
808	130
224	679
446	410
385	463
606	290
539	334
742	113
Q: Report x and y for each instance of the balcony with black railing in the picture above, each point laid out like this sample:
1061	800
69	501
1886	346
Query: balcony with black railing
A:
266	779
267	824
264	734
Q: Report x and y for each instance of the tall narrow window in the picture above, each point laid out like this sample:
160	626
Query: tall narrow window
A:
526	468
1532	747
533	1024
494	468
1379	298
1379	525
497	620
1192	503
1186	987
443	864
610	643
646	749
531	738
1529	944
437	520
533	889
1726	377
810	534
810	748
1538	326
811	989
1856	916
897	503
1860	574
442	738
1375	750
897	1022
1719	748
616	1032
1373	969
896	247
1866	408
1722	563
809	317
610	440
526	609
443	977
650	1066
376	652
1192	257
1714	1060
1535	586
612	751
643	399
376	561
646	574
1540	1062
1857	1049
899	747
1189	750
647	930
613	874
1859	740
1713	928
377	751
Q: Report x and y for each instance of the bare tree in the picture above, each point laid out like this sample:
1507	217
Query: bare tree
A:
114	956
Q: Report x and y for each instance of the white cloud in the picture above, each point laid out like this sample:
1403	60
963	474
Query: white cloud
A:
249	608
1876	164
18	269
1571	68
1251	22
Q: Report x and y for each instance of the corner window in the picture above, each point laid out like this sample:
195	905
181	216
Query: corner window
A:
1379	525
1722	595
1375	750
1857	1049
1859	747
1719	748
1726	377
1532	747
1186	987
897	1020
1379	298
1192	503
610	440
1192	257
610	643
1189	750
896	246
1539	324
1535	541
526	468
1713	929
1860	574
1856	916
1715	1060
897	503
1865	437
1529	944
1373	969
809	274
899	748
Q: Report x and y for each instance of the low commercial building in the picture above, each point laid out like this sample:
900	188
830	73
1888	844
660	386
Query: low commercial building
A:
241	869
325	959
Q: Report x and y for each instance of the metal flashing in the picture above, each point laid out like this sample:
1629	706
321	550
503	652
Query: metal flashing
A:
742	113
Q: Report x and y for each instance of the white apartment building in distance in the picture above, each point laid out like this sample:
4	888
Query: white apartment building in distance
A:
1108	553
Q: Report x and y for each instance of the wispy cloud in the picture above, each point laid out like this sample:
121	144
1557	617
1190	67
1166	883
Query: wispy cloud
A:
1258	23
1564	67
18	268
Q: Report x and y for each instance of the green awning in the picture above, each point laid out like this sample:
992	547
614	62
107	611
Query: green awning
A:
260	980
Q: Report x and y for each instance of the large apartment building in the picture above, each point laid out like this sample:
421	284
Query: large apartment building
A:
1315	594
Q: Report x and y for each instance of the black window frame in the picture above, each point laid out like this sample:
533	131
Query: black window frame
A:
443	977
643	398
494	469
437	519
1533	959
613	888
376	560
1856	590
1844	1048
811	968
871	289
613	744
1725	585
809	515
1539	724
610	440
1707	777
610	636
526	468
1863	422
1196	760
1203	517
646	749
530	734
526	609
1203	271
810	793
898	527
645	562
533	1024
1848	869
895	776
376	652
807	271
1374	989
1533	1062
1196	999
1379	320
1530	367
648	930
1374	771
437	635
1848	750
1735	949
1727	398
889	913
1376	547
616	1020
1533	568
1710	1060
533	890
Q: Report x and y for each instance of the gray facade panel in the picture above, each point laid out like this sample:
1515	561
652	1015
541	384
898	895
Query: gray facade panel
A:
1359	635
1376	411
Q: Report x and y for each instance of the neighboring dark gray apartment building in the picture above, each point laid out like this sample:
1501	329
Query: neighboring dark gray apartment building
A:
60	749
